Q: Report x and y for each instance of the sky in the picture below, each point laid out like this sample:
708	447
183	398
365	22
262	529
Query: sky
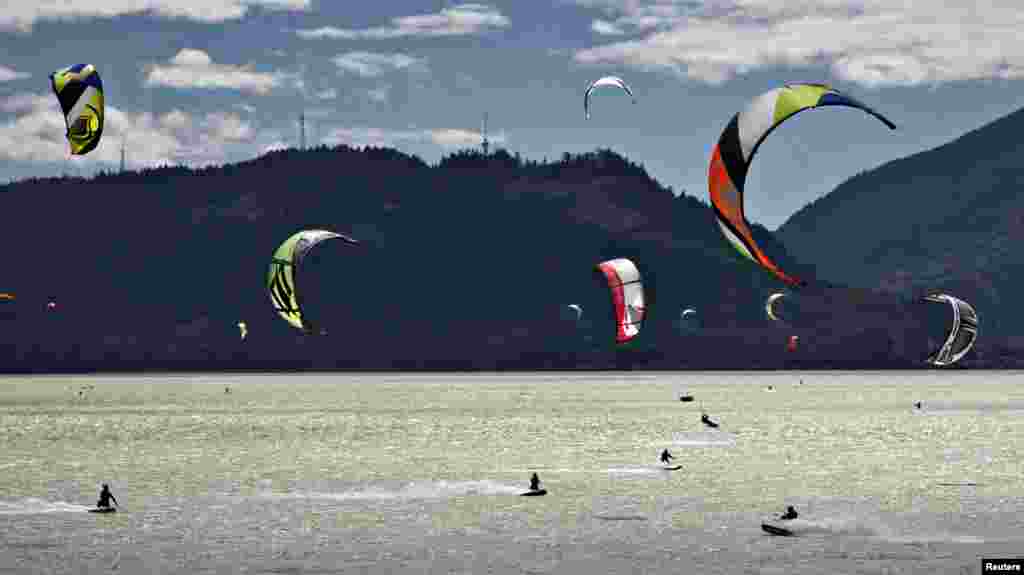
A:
201	82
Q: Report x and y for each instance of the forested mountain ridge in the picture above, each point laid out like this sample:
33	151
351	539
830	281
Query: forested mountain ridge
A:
467	264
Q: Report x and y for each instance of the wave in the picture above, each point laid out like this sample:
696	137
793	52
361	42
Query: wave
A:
34	506
634	470
544	470
416	490
936	538
15	463
702	439
834	526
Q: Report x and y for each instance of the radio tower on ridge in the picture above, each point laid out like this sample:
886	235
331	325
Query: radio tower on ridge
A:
302	130
485	144
122	155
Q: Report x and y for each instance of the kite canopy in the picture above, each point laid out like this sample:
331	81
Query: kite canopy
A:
962	332
627	297
80	92
282	276
689	320
576	308
613	81
771	301
732	156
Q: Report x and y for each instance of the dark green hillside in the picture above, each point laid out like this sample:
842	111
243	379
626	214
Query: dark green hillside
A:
468	264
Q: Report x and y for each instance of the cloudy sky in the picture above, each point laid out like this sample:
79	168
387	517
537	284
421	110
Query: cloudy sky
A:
208	81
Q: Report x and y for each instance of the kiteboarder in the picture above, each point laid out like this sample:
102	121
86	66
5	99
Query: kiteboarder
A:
534	482
918	405
707	420
790	514
666	456
105	497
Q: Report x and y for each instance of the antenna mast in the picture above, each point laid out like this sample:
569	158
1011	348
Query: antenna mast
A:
485	144
302	130
122	155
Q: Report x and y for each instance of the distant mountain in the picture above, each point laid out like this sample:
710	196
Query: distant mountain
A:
468	264
946	219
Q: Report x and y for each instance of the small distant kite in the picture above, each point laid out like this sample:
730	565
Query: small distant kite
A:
627	292
613	81
282	276
963	331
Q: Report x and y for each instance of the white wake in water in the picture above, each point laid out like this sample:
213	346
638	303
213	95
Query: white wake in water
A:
416	490
633	470
34	506
835	526
702	439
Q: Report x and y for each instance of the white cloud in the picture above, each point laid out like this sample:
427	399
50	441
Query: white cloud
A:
274	146
871	42
455	138
461	20
448	138
36	134
194	69
229	127
20	103
606	28
369	64
22	14
7	74
296	5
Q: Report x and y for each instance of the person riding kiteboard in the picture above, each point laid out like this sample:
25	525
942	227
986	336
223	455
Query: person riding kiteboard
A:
105	498
534	482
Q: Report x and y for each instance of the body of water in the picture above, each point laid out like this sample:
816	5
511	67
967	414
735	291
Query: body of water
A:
421	473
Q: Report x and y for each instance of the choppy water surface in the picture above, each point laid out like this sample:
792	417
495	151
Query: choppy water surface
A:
421	473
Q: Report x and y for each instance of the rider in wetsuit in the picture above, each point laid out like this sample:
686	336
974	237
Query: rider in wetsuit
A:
666	456
534	482
790	514
105	497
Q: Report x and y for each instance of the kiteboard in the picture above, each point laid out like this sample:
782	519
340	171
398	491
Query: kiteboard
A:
773	530
673	468
686	398
103	510
535	493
